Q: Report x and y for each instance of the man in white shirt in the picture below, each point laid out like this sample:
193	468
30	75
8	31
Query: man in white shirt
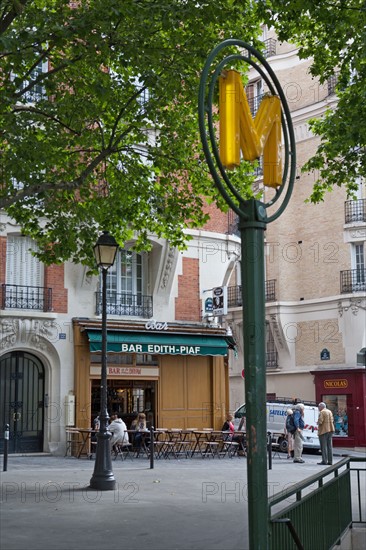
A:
119	432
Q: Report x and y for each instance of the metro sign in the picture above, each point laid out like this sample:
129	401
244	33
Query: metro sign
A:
238	131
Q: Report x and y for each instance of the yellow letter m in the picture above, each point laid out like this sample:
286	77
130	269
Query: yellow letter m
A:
238	131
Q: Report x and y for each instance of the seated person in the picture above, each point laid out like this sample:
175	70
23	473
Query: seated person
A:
140	426
118	430
228	426
134	422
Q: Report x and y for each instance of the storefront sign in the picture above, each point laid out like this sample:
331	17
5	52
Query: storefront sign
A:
161	349
336	383
159	343
126	371
155	325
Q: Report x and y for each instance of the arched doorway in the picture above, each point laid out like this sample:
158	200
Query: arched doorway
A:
22	401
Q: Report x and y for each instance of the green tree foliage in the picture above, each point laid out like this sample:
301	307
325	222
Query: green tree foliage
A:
105	136
333	34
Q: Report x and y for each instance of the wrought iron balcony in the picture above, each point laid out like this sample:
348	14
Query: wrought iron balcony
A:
254	103
355	211
232	223
234	298
271	359
270	289
332	83
136	305
269	47
353	280
26	297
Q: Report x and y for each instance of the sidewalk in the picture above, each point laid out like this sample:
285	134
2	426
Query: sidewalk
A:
187	504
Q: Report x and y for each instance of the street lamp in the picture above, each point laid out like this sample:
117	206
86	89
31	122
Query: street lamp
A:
105	252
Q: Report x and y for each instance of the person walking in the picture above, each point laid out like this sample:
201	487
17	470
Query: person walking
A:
298	437
325	432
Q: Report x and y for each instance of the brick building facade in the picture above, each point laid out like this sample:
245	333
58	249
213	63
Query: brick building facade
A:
315	310
315	263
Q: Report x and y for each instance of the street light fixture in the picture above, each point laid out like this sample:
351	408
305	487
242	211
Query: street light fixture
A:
105	252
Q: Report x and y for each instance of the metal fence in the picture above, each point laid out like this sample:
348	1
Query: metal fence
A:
322	509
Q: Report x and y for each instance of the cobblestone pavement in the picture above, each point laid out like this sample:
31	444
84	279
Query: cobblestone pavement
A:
184	504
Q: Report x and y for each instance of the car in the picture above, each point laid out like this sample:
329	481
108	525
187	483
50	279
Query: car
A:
276	411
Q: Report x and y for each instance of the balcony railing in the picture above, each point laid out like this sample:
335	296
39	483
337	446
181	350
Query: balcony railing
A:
269	47
136	305
254	103
232	223
332	83
36	298
353	280
234	298
271	359
355	211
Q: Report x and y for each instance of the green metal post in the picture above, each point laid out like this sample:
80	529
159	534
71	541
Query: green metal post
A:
252	223
254	333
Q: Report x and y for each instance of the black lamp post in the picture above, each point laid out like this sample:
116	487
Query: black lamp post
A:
103	479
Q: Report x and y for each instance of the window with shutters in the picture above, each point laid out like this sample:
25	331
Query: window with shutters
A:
22	268
23	287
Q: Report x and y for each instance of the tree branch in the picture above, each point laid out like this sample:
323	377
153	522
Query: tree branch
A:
9	17
28	108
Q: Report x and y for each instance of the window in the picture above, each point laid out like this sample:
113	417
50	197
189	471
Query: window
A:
338	405
126	286
358	263
126	276
24	277
271	352
254	93
21	267
37	91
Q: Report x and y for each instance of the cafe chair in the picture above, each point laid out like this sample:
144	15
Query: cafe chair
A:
229	447
123	450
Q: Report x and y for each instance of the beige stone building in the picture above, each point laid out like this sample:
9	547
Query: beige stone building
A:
315	273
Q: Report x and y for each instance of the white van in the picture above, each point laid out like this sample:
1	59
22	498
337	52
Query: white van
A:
276	417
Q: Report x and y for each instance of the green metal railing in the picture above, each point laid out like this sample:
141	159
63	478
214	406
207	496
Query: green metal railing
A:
319	516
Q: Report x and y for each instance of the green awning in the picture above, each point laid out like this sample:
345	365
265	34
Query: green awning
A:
159	343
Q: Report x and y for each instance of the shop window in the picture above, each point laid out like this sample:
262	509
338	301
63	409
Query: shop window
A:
127	398
115	359
138	400
338	405
126	359
146	359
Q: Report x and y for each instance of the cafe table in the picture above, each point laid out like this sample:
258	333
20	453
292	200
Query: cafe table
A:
86	434
205	443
